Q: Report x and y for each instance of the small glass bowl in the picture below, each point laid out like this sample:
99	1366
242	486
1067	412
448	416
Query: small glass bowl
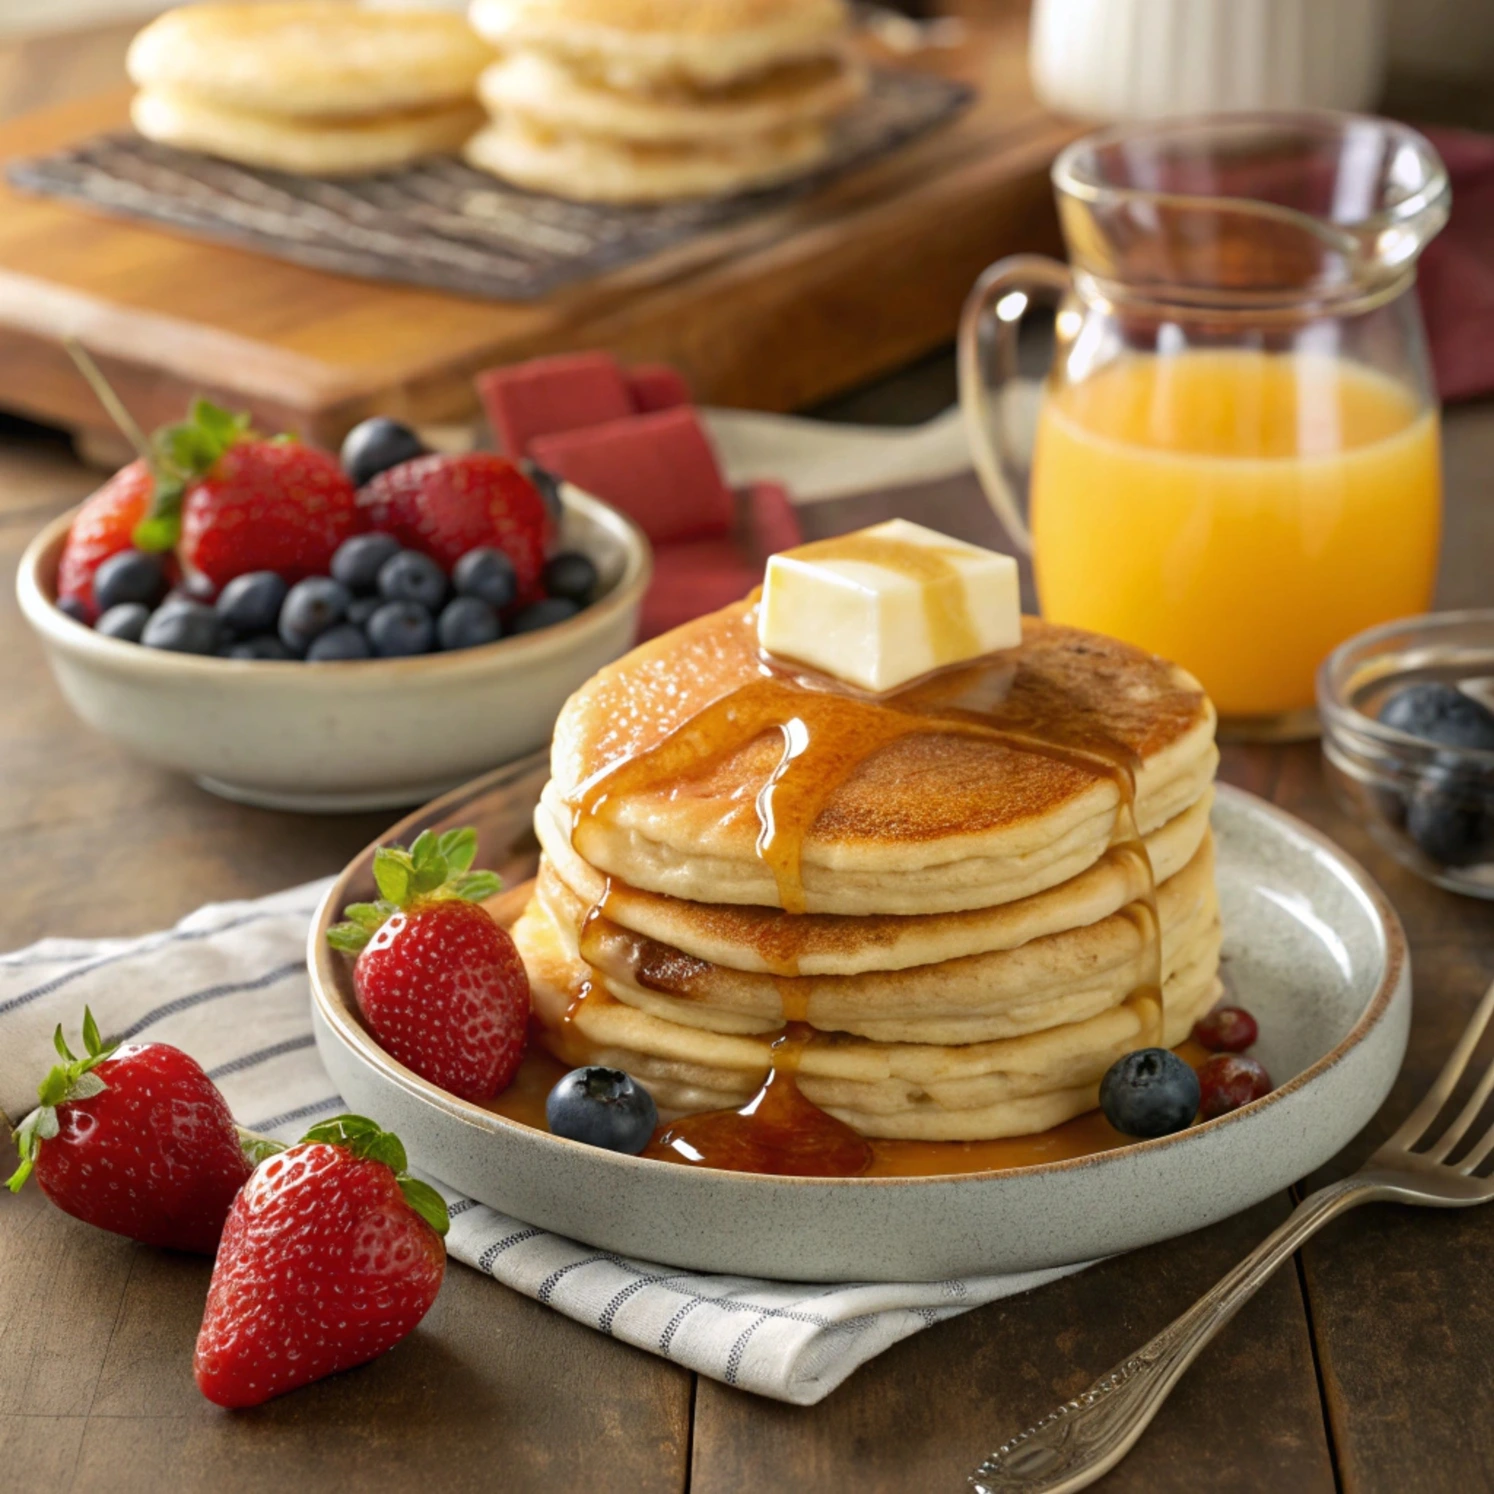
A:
1430	806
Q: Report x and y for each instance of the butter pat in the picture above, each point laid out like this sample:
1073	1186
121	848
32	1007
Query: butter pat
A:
884	605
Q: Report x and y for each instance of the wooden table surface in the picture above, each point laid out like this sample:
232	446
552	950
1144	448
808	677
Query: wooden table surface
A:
1364	1368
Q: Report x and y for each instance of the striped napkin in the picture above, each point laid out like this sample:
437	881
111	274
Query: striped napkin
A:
228	985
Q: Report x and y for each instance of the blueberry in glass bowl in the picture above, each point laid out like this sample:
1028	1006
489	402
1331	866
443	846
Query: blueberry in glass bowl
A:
1408	742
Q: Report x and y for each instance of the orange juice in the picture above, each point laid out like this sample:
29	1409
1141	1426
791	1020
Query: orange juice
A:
1239	512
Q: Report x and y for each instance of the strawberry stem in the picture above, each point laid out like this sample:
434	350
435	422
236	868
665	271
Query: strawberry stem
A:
103	391
72	1079
436	868
366	1139
181	454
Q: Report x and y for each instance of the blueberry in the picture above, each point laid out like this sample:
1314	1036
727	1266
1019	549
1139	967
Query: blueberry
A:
345	641
129	576
488	574
357	561
75	608
265	646
311	607
1151	1092
549	488
466	623
360	609
1451	821
412	577
401	628
571	576
602	1107
373	446
193	588
543	615
125	620
251	603
1441	714
184	628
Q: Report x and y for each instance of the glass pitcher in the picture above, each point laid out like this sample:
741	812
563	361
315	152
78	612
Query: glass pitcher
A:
1236	462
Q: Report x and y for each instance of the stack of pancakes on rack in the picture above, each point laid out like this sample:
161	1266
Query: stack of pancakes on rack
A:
650	100
314	87
940	896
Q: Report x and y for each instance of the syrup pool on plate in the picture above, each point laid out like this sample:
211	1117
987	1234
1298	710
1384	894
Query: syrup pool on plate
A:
1085	1136
1239	512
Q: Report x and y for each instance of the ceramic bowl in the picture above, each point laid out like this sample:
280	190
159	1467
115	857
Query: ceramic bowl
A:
1312	948
369	734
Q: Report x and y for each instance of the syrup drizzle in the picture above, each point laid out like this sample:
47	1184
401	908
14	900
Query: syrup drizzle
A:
827	732
777	1131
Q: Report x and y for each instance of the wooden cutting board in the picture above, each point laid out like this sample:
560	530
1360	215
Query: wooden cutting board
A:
775	312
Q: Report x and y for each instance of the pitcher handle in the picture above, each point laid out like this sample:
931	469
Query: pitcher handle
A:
1025	277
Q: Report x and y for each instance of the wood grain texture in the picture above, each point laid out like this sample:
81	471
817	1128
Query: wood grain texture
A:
782	309
1402	1334
492	1391
495	1392
922	1415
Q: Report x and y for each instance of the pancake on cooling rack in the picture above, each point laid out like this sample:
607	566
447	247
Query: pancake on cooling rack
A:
651	100
320	89
960	931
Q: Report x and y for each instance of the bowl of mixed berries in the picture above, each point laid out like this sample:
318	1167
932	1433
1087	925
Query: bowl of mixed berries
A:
318	632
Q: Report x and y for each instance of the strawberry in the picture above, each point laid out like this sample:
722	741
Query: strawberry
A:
234	502
448	505
135	1139
331	1255
438	982
105	525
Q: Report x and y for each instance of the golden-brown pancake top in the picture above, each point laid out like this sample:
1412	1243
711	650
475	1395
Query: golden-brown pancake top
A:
1104	698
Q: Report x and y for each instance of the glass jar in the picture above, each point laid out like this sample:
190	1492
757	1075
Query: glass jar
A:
1237	458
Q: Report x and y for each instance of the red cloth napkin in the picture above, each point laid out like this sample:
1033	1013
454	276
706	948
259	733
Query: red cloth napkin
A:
659	469
632	437
1456	275
692	577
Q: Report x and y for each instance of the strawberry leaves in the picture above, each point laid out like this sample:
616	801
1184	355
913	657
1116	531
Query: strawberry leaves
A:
436	868
72	1079
179	455
365	1138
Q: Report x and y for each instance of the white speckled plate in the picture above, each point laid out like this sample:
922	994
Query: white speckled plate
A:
1311	947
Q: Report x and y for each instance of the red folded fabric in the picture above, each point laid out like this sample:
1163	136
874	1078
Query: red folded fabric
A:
693	577
659	469
656	386
544	395
1456	275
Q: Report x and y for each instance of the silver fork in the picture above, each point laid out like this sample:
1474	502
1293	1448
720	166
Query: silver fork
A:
1086	1437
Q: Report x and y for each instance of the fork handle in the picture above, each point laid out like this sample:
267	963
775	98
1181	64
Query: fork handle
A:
1086	1437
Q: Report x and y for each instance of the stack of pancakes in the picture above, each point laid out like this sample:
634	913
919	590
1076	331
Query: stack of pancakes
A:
317	88
648	100
973	932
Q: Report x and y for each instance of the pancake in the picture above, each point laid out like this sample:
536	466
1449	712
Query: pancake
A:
1047	982
638	43
915	1091
933	822
308	147
589	168
550	96
308	59
772	942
